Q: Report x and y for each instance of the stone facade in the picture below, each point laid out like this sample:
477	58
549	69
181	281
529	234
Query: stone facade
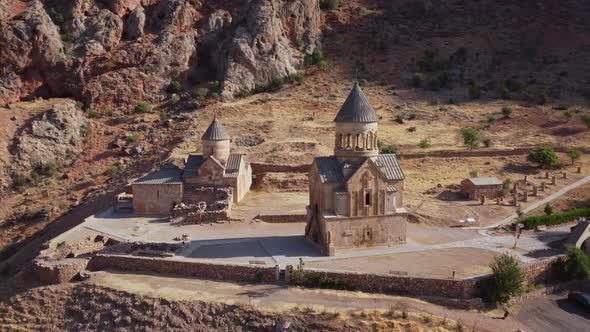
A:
356	196
474	190
156	198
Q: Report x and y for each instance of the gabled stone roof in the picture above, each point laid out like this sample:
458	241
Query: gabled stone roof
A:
389	166
231	168
166	175
215	132
356	108
485	181
331	170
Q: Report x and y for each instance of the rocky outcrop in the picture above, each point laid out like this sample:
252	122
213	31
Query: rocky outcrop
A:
55	136
264	45
119	52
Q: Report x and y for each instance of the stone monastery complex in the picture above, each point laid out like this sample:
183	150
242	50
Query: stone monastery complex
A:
355	196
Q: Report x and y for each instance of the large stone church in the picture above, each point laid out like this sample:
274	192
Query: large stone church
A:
356	195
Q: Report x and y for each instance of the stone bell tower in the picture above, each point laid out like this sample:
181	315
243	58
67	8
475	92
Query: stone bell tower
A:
356	128
216	142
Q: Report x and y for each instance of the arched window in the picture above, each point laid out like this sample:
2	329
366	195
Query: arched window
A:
368	199
339	142
357	142
348	141
375	145
369	141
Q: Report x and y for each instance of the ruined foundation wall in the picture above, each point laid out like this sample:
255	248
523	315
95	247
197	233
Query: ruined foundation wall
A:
231	272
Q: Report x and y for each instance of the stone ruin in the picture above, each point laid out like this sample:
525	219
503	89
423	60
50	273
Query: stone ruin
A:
203	204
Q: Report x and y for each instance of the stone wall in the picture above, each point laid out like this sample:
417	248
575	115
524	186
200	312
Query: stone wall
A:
282	218
60	271
258	168
541	271
156	198
231	272
216	198
387	284
192	214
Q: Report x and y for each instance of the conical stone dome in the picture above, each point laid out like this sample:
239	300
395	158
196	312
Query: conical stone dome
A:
356	108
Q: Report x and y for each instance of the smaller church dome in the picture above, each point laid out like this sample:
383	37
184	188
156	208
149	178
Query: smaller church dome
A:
215	132
356	108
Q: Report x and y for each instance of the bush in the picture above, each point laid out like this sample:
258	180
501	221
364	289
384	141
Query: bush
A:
143	107
491	119
174	100
411	129
329	4
276	84
506	187
19	181
174	87
513	85
470	137
91	113
424	143
487	142
506	279
544	157
577	265
507	111
586	120
297	275
298	43
504	93
214	85
555	218
548	210
109	66
68	37
399	118
201	94
390	149
112	170
133	138
295	77
568	115
412	116
317	56
243	93
418	80
323	65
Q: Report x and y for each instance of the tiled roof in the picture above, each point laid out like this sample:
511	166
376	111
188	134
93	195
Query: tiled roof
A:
356	108
485	181
168	175
329	169
215	132
389	166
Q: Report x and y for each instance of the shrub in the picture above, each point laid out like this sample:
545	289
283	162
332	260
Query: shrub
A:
390	149
214	85
586	120
548	210
112	170
295	77
143	107
201	94
424	143
506	279
109	66
317	56
399	118
67	37
411	129
574	154
164	117
174	87
243	93
487	142
504	93
412	116
491	119
323	65
507	111
470	137
298	274
418	80
544	157
329	4
91	113
34	175
133	138
577	265
474	91
174	100
555	218
298	43
568	115
19	181
513	85
276	84
506	187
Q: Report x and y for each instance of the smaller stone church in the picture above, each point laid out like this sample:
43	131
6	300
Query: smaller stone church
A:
212	180
356	195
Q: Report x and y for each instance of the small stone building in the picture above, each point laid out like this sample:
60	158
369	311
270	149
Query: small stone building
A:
474	188
356	195
216	167
158	192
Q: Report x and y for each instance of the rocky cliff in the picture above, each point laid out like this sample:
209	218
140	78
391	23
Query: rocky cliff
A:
118	52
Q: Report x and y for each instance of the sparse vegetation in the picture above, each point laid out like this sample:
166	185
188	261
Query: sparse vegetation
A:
425	143
554	218
67	37
470	137
418	80
174	87
296	77
506	281
577	265
585	120
506	187
91	113
201	94
317	56
544	157
329	4
568	115
112	170
574	154
174	100
491	119
507	112
109	66
143	107
134	138
487	142
390	149
399	118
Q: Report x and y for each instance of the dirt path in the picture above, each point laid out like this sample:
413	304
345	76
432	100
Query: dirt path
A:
280	298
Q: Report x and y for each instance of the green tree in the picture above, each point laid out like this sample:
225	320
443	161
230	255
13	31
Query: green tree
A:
506	279
317	56
544	157
507	111
586	120
470	137
574	154
548	209
577	265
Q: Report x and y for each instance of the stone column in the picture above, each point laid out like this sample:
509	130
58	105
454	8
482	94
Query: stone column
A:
515	199
543	186
535	190
579	169
514	188
565	175
526	179
526	196
498	201
553	180
546	174
482	199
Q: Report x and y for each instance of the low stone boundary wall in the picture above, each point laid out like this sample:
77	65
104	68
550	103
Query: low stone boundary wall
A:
385	283
58	272
231	272
542	270
282	218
